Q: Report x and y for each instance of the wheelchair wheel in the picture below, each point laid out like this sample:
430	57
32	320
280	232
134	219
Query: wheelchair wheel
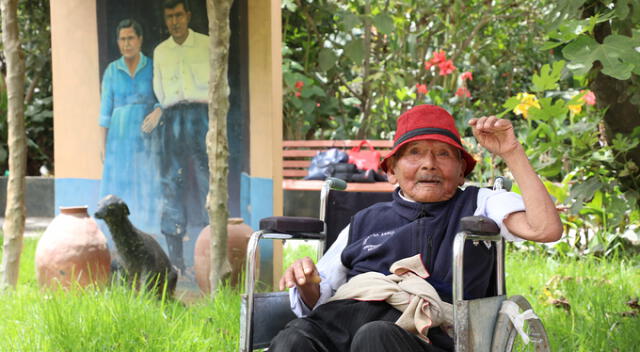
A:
506	337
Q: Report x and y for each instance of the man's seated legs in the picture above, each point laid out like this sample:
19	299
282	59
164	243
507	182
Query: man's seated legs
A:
387	336
334	326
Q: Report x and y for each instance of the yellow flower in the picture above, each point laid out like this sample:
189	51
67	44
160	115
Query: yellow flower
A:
526	101
575	109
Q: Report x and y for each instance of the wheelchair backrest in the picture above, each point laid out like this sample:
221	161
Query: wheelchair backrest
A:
342	206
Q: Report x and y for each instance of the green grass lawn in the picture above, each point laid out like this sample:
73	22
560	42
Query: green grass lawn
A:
595	293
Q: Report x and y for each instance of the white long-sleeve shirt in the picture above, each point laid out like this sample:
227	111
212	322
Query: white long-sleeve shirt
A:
181	71
495	205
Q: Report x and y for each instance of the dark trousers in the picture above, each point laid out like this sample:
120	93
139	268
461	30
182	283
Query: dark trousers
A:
350	325
184	173
184	168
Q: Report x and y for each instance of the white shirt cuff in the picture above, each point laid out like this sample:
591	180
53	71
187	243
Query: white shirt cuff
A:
497	205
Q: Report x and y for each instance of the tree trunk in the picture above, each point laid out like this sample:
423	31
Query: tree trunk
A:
622	116
13	227
217	145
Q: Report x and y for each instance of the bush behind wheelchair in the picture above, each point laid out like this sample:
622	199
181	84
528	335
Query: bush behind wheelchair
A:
493	323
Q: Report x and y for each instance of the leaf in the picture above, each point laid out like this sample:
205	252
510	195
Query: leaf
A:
584	191
548	78
549	110
511	103
616	54
622	9
327	59
289	5
551	170
355	50
349	21
308	106
384	23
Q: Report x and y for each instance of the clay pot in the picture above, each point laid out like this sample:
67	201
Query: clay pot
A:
72	251
238	237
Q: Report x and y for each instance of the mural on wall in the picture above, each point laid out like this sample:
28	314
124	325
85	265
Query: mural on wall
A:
154	58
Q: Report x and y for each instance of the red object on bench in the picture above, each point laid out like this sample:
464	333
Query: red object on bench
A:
297	155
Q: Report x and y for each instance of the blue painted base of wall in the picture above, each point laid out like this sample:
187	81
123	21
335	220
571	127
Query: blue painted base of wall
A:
77	192
256	202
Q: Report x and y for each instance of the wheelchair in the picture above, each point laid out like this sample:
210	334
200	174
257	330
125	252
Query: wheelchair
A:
493	323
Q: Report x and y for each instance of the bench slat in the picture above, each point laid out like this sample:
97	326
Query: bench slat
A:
344	143
299	153
291	164
316	185
299	173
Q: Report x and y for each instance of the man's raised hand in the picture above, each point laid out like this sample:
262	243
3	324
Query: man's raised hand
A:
495	134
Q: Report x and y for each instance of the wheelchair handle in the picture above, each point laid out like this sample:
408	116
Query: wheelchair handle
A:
502	182
336	184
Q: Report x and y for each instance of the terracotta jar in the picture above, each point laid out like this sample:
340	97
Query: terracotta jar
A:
72	250
238	234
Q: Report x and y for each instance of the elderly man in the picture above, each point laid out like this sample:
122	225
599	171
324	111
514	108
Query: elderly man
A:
429	164
181	84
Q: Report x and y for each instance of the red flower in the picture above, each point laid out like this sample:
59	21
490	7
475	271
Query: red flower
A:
589	98
446	67
439	56
422	88
299	84
298	94
466	76
463	92
427	65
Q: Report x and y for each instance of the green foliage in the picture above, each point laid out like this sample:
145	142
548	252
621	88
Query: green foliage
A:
368	58
566	146
616	54
547	79
298	251
585	303
35	34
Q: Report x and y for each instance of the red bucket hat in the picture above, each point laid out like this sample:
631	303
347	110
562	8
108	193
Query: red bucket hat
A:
428	122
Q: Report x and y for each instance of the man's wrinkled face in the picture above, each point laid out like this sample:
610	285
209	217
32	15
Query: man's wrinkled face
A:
177	21
427	170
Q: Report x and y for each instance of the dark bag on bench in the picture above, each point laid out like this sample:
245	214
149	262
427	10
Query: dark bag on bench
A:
322	162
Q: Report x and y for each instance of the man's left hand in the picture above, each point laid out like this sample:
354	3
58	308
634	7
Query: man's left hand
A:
495	134
151	121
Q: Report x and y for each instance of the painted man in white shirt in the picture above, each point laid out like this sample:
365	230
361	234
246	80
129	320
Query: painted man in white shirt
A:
180	121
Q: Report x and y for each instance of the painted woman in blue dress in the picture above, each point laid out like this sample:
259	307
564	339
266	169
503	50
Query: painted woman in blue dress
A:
129	156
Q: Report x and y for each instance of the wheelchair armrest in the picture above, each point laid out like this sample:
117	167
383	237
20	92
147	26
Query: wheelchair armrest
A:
479	225
296	226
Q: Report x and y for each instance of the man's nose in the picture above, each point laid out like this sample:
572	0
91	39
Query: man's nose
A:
428	160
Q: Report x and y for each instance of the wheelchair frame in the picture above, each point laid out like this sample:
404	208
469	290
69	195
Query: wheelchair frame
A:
476	322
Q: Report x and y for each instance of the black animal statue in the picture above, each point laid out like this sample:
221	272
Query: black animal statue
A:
143	259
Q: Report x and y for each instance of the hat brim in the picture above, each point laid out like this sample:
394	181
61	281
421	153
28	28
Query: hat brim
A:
469	160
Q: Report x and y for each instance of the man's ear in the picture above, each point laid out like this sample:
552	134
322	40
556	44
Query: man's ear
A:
462	169
391	173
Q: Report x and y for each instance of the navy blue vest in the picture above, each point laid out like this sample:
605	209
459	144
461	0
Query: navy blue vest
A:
387	232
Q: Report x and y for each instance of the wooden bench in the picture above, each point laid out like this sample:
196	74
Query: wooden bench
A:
297	155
